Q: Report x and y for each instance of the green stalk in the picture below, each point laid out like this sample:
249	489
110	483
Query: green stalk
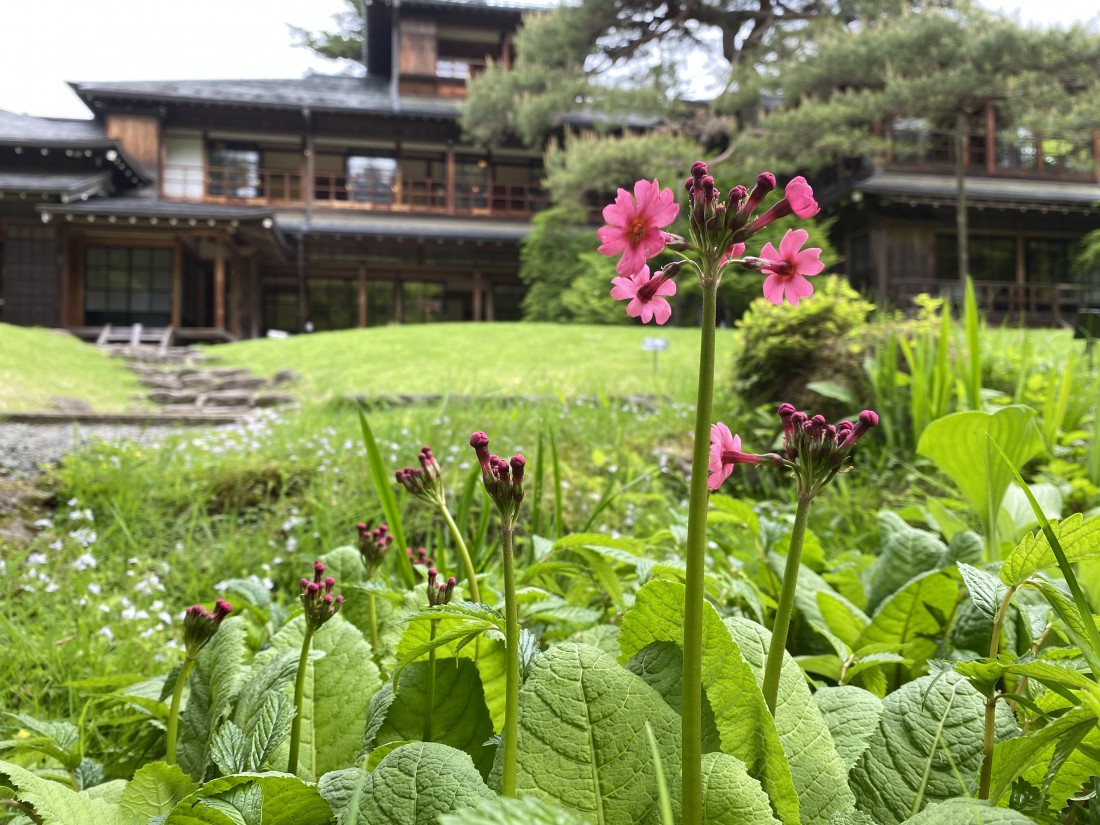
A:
467	562
373	626
511	695
986	776
430	707
692	701
174	710
299	696
785	608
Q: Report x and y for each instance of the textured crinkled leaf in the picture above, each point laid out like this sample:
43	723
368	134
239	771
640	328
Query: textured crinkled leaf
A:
603	636
807	587
58	805
852	817
818	772
267	729
906	553
852	715
965	546
746	728
229	750
966	811
274	674
155	789
215	682
506	811
731	796
582	741
284	800
914	616
987	592
1077	769
459	718
1013	756
661	665
1079	537
1047	671
338	689
413	785
905	765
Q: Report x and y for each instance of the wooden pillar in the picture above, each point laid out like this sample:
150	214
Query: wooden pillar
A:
398	302
488	302
254	296
219	285
451	178
362	295
234	301
990	139
177	284
477	309
1021	290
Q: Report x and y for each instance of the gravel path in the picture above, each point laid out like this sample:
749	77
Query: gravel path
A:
24	446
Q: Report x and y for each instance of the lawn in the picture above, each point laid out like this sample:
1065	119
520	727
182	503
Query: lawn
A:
39	366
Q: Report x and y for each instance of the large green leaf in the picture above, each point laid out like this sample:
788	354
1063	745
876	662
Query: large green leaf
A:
852	715
1078	768
928	741
267	798
745	727
459	717
506	811
819	774
57	805
905	553
155	790
966	811
338	689
731	796
1079	537
219	674
1013	756
582	739
960	445
413	785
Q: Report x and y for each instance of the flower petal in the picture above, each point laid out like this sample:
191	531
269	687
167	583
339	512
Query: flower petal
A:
623	288
808	261
773	288
793	241
661	310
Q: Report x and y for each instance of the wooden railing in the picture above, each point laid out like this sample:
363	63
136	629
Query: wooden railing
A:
1034	303
281	188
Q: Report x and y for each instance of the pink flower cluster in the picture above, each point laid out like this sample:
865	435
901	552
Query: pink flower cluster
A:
717	233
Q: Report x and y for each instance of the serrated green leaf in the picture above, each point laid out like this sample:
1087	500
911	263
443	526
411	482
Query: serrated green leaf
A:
229	750
1013	756
155	790
807	587
967	811
746	728
600	770
818	772
273	674
731	796
1079	537
906	553
338	689
219	673
1077	769
506	811
852	715
905	766
285	800
1049	672
267	729
986	590
58	805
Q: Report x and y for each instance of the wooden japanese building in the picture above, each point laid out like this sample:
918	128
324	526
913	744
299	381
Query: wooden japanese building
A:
229	208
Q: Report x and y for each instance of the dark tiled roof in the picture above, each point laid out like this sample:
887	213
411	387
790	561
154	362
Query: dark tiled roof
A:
316	91
153	208
994	191
404	226
29	129
68	186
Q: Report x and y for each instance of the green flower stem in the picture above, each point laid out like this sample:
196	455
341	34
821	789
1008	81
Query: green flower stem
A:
429	707
692	702
785	608
299	697
174	710
373	626
511	641
467	562
986	776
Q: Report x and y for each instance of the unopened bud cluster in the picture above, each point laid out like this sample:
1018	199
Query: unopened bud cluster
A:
503	478
200	625
317	599
420	561
818	449
426	482
373	546
439	592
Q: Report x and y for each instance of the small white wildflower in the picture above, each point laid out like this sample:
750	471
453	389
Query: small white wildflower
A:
94	588
106	631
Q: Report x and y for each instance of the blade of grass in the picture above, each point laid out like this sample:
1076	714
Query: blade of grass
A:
556	472
536	498
382	487
662	785
973	348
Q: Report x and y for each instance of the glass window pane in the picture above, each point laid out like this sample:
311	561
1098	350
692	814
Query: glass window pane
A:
371	179
380	303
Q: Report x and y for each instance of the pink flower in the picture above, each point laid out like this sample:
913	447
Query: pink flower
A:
647	295
735	251
787	268
634	225
801	198
722	443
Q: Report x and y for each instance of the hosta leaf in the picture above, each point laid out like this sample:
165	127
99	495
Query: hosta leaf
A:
852	715
966	811
582	741
915	616
818	772
155	790
745	726
459	718
905	766
216	680
906	553
338	689
731	796
413	785
1079	537
57	805
279	799
986	590
505	811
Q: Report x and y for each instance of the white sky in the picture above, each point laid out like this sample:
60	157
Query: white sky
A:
43	44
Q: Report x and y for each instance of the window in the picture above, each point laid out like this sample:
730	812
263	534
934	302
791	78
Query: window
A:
371	179
333	303
471	182
508	302
422	302
128	286
234	171
992	257
380	303
424	180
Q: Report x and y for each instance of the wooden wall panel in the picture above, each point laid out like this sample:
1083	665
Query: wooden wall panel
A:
32	276
417	50
139	136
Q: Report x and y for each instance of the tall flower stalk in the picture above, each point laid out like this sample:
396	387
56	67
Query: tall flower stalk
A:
199	627
503	480
373	547
438	593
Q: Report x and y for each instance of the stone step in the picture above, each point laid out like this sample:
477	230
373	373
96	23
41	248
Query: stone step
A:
225	398
170	397
273	399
